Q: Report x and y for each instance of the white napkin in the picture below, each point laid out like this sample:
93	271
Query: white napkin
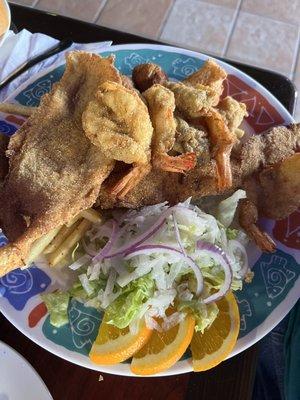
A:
18	48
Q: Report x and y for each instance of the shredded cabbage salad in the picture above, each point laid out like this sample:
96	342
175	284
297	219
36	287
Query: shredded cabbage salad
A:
140	263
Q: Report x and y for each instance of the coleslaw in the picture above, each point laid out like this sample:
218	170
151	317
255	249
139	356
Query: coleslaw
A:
140	263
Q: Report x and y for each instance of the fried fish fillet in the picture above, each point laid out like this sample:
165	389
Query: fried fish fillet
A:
276	189
256	154
54	169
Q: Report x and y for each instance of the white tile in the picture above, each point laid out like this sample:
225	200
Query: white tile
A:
284	10
199	25
264	42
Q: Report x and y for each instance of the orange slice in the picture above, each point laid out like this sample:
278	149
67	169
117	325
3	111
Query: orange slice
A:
163	349
114	345
216	343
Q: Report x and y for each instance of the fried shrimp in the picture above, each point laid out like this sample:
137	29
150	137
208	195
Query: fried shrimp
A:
233	113
161	104
248	217
222	141
192	102
190	139
118	123
212	75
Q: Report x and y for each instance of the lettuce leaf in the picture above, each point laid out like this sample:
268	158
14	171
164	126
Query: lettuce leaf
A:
227	208
231	233
78	291
122	311
204	314
57	306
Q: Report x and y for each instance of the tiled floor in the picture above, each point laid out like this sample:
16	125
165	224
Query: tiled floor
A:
265	33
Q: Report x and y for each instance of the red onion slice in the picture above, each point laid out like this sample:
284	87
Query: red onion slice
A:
106	249
138	240
103	230
88	248
218	254
152	248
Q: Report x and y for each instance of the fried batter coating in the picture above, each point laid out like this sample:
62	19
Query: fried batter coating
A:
233	113
248	217
255	154
278	194
212	75
192	140
118	123
54	170
192	102
161	105
222	140
90	68
261	151
280	184
146	75
127	82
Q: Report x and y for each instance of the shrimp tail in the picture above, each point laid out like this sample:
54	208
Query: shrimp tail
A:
224	175
248	217
130	180
182	163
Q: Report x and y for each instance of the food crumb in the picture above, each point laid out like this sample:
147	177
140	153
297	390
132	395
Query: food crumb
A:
249	276
100	379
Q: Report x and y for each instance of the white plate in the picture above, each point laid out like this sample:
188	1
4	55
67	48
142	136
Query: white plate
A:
276	286
18	379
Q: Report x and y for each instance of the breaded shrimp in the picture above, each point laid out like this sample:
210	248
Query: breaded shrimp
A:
212	75
161	105
117	121
222	140
190	139
248	217
233	113
192	102
255	154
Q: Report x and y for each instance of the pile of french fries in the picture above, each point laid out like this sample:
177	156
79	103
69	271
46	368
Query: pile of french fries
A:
59	243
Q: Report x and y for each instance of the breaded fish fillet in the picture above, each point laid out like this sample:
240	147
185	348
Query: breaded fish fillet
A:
54	169
256	153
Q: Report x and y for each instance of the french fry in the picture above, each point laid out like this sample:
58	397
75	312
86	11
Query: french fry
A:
62	235
40	244
11	108
73	220
91	215
60	253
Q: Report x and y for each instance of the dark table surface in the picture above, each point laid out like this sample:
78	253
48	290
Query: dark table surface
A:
234	378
